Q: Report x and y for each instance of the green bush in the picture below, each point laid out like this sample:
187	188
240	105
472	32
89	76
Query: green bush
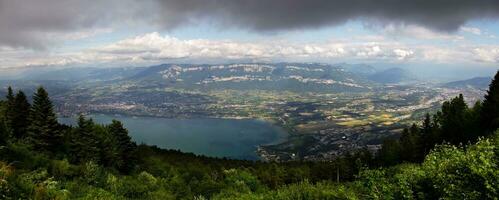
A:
301	191
50	189
61	169
92	174
136	187
471	173
99	194
21	156
448	172
5	174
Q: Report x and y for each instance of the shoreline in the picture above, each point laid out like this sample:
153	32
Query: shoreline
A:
260	157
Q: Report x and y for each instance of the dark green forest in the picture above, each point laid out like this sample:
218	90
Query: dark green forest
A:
451	154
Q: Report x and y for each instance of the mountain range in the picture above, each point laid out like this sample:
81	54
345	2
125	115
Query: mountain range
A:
298	77
476	83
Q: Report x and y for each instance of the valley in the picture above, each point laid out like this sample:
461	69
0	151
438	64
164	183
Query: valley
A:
327	109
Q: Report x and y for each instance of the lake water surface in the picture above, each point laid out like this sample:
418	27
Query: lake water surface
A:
231	138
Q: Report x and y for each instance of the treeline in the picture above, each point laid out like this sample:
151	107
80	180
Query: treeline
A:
448	172
456	123
36	127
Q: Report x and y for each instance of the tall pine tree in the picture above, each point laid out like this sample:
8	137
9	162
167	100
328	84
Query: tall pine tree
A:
390	153
3	124
44	132
9	112
410	144
426	134
124	146
489	112
454	118
20	115
84	142
10	96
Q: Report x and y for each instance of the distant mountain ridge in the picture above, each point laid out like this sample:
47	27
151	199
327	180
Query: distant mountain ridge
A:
297	77
300	77
477	82
391	76
360	69
81	74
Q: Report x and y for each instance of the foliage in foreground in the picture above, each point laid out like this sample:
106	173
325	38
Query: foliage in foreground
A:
448	172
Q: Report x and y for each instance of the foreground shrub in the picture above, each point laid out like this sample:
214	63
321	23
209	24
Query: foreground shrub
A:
471	173
448	172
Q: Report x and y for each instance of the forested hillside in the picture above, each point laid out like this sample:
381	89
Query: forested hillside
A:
452	154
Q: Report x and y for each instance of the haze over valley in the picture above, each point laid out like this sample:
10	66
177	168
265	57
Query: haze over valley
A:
327	109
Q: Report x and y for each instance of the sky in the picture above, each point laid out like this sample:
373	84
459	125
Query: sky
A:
431	37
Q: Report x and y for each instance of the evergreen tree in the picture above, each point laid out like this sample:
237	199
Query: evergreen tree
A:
109	152
489	117
20	115
454	116
44	131
410	144
3	134
3	124
84	142
426	129
9	112
472	122
389	154
124	146
437	127
427	135
10	96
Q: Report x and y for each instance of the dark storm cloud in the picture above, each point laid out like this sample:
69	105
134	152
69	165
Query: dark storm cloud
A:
276	15
25	23
30	23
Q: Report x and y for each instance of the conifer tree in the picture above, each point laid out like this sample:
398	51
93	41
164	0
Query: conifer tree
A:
389	154
409	142
454	116
472	122
109	152
489	117
124	145
428	135
3	124
84	142
44	129
9	112
3	134
20	115
10	96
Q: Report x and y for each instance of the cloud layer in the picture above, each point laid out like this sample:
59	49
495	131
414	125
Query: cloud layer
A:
275	15
152	48
34	23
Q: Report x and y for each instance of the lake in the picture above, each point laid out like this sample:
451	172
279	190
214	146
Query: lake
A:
232	138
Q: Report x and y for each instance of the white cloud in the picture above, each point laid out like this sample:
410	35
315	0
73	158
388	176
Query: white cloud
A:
443	55
487	54
403	54
472	30
417	32
155	48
